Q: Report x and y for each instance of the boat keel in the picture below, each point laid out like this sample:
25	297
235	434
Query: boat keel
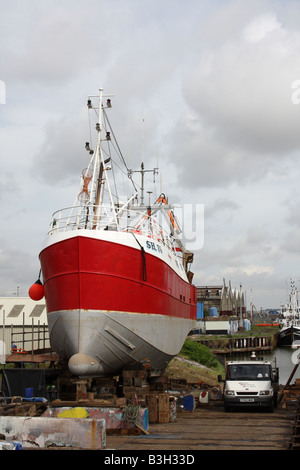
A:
83	365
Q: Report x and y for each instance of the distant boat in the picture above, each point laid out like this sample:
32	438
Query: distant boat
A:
116	275
290	319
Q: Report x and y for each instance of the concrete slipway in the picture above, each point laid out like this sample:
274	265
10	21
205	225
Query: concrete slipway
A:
211	428
207	427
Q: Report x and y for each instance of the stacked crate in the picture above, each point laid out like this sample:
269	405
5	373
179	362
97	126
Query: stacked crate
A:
158	407
135	385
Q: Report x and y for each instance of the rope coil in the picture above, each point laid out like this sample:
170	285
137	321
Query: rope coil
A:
131	413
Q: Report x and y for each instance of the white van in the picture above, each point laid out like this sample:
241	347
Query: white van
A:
250	383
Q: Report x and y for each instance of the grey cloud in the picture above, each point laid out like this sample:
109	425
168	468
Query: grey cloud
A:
51	42
240	124
243	89
17	267
62	155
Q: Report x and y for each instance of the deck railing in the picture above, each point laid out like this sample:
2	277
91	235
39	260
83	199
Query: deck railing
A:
92	217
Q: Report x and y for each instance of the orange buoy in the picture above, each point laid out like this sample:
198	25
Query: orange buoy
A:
36	291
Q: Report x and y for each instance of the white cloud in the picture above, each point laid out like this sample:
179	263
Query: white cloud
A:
245	95
260	27
249	270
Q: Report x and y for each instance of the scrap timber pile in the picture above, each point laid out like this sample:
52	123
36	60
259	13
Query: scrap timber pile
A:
122	405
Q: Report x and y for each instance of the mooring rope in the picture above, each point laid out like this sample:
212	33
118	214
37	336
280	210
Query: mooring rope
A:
131	413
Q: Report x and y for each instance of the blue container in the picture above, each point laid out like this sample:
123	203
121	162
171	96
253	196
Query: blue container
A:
28	392
247	325
213	312
189	402
200	310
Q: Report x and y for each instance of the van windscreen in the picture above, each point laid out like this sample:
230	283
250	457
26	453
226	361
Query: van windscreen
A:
248	372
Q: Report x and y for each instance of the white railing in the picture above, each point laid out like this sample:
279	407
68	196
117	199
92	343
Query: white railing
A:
105	218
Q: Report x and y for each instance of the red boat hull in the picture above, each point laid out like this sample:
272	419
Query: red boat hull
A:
110	304
87	273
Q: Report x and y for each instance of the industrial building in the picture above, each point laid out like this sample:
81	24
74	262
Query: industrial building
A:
220	300
220	309
23	322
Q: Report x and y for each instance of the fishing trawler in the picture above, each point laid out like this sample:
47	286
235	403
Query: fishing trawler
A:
115	274
290	319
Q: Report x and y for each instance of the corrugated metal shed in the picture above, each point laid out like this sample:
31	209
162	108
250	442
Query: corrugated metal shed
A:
23	322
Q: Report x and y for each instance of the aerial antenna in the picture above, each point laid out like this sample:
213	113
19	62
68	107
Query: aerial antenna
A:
155	170
143	139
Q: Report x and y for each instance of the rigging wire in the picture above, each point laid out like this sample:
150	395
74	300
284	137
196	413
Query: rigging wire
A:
119	150
113	143
111	159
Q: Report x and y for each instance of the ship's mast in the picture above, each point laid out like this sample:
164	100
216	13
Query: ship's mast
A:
100	177
143	171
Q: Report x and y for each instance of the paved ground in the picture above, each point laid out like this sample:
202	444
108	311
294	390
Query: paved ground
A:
211	428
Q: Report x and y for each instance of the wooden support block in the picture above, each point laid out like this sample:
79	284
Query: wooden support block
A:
140	382
163	408
127	381
141	373
152	405
136	390
121	401
80	389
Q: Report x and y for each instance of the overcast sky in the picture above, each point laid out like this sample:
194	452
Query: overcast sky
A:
214	84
